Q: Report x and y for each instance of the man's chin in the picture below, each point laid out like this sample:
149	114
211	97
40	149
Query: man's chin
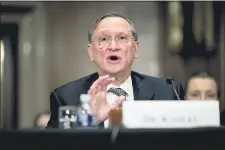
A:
113	71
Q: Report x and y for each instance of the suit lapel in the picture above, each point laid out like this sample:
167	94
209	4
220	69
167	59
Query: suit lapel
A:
90	80
142	88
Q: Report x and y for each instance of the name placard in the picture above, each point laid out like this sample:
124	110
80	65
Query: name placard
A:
171	114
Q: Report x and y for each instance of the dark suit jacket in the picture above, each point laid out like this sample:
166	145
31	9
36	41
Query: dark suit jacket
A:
222	118
144	87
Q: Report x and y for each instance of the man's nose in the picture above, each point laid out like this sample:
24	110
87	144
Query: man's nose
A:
113	45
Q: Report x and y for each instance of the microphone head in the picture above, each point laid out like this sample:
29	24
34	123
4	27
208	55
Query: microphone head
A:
169	80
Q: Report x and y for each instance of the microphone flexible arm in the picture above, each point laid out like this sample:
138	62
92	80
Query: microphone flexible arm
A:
174	88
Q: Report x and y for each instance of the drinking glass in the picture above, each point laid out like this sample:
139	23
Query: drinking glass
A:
67	117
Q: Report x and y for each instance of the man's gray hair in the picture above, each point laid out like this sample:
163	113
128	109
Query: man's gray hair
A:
99	19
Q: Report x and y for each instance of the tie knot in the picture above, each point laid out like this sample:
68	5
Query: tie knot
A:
118	91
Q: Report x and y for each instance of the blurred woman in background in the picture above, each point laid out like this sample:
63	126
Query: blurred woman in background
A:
203	86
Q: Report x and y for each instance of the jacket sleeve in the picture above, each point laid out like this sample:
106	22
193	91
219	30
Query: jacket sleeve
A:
55	103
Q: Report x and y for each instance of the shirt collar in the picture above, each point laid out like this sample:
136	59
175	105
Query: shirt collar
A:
124	85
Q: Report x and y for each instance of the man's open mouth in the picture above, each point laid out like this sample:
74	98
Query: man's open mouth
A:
114	58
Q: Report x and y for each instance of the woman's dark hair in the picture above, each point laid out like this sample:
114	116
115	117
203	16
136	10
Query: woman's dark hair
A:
201	75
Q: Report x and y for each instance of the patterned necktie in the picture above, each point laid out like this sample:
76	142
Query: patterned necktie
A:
118	92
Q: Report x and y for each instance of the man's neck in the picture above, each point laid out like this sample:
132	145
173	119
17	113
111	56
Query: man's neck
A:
120	77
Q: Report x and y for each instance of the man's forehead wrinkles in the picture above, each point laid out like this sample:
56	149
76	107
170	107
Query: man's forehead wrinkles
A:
113	31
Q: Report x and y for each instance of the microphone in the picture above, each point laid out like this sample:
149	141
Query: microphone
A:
170	79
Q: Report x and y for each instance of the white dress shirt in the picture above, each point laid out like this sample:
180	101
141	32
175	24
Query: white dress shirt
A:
126	86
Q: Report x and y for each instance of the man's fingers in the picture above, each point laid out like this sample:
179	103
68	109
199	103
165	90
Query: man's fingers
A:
97	82
102	83
93	107
118	102
92	91
107	82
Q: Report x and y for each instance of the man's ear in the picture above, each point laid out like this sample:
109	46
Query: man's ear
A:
136	49
90	52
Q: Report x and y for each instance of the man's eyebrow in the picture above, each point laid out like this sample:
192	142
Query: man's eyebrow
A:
123	33
210	91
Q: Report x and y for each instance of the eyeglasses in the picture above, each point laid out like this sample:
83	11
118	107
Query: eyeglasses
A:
104	41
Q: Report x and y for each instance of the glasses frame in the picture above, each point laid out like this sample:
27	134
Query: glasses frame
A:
116	38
